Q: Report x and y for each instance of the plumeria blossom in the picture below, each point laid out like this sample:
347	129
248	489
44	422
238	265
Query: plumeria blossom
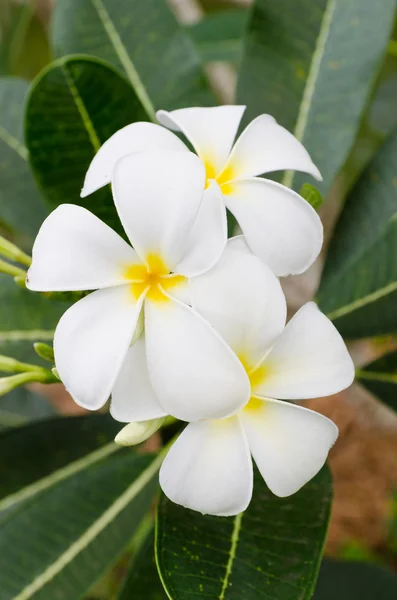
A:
209	467
158	196
280	227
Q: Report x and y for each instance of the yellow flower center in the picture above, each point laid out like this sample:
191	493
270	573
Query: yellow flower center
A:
154	277
224	179
256	374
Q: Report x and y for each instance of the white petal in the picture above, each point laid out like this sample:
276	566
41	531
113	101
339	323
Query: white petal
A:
157	196
208	236
209	468
74	250
136	433
266	146
136	137
243	299
133	398
309	359
280	227
91	342
211	131
194	373
289	443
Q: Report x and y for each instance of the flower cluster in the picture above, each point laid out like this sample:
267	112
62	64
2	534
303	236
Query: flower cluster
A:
187	324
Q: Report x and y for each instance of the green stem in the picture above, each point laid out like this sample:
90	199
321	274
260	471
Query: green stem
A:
11	365
7	384
9	269
11	251
392	49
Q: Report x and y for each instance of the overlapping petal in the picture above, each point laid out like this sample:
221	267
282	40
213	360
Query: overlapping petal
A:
266	146
133	398
211	131
158	195
289	443
243	299
309	359
137	137
91	342
74	250
209	468
280	227
194	373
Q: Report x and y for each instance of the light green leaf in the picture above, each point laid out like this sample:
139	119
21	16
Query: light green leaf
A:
74	107
312	65
143	41
380	378
359	286
273	549
355	581
219	36
59	534
21	207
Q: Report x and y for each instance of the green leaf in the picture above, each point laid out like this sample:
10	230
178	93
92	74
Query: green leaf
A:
218	36
354	581
311	195
22	406
58	534
74	107
21	207
143	41
380	378
359	286
312	65
273	549
25	317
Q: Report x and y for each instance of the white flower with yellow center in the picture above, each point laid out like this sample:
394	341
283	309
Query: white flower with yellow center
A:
193	372
280	227
209	467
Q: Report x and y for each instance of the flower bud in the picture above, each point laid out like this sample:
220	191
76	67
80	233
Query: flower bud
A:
135	433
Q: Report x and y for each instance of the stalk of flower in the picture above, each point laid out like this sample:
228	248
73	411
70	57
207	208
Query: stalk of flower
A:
193	371
209	468
279	225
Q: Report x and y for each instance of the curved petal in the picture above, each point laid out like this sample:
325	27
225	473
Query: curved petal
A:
309	359
208	236
157	196
266	146
243	299
91	342
209	468
74	250
194	373
280	227
133	398
289	443
136	137
211	131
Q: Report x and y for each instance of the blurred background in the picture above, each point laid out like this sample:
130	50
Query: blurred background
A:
364	461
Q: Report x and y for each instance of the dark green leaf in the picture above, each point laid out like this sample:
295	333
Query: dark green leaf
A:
355	581
21	207
312	65
142	40
359	286
273	549
311	195
22	406
58	534
218	36
380	378
74	106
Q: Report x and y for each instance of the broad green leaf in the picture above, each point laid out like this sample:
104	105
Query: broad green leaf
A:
74	107
273	549
22	406
359	286
21	207
380	378
355	581
60	533
143	581
143	41
312	65
26	317
219	36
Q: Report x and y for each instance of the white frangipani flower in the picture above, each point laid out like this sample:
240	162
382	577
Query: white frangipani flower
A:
209	467
280	227
158	196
